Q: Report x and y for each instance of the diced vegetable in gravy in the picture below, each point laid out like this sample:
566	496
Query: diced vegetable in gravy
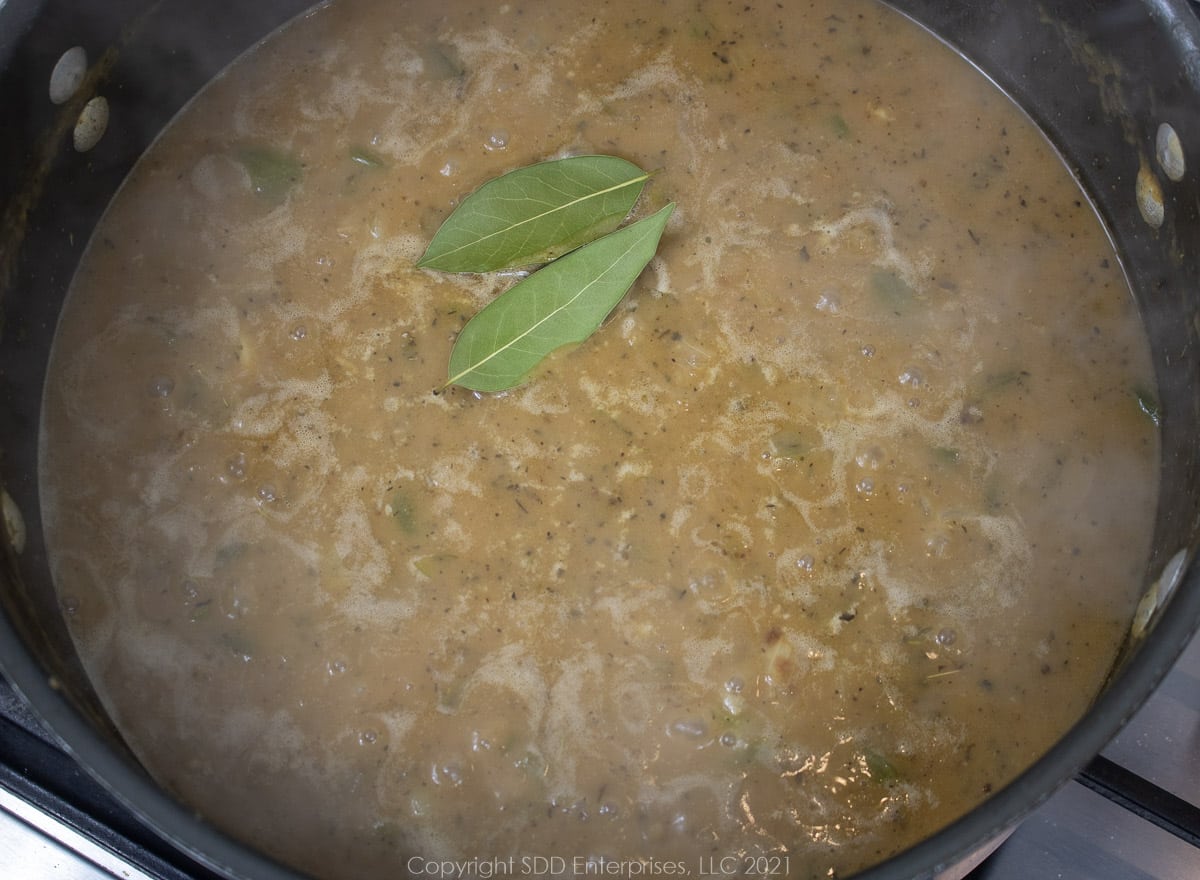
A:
832	529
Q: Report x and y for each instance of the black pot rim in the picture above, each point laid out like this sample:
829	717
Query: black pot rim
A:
217	851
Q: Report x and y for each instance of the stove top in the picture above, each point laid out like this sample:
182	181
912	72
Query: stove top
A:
1132	814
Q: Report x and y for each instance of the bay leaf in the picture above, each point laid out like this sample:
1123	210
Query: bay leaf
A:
560	304
272	172
535	214
442	61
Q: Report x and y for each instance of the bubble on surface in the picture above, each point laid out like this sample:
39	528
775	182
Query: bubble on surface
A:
496	140
870	458
828	302
235	469
946	637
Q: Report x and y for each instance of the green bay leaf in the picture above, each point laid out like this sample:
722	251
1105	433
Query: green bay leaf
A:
535	214
560	304
272	172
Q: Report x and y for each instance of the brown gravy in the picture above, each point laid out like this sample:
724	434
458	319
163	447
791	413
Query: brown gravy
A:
828	533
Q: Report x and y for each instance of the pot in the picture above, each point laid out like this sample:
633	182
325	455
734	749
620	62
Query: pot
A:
1110	84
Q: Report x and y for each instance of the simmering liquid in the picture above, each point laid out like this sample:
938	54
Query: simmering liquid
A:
831	530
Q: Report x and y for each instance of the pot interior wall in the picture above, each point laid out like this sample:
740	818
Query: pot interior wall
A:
148	60
1100	82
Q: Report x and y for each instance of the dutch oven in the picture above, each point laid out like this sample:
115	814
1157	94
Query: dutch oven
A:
1110	83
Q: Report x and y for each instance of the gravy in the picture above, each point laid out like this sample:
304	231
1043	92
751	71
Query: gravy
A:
831	530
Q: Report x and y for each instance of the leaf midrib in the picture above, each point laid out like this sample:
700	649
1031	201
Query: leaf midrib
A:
529	331
475	242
